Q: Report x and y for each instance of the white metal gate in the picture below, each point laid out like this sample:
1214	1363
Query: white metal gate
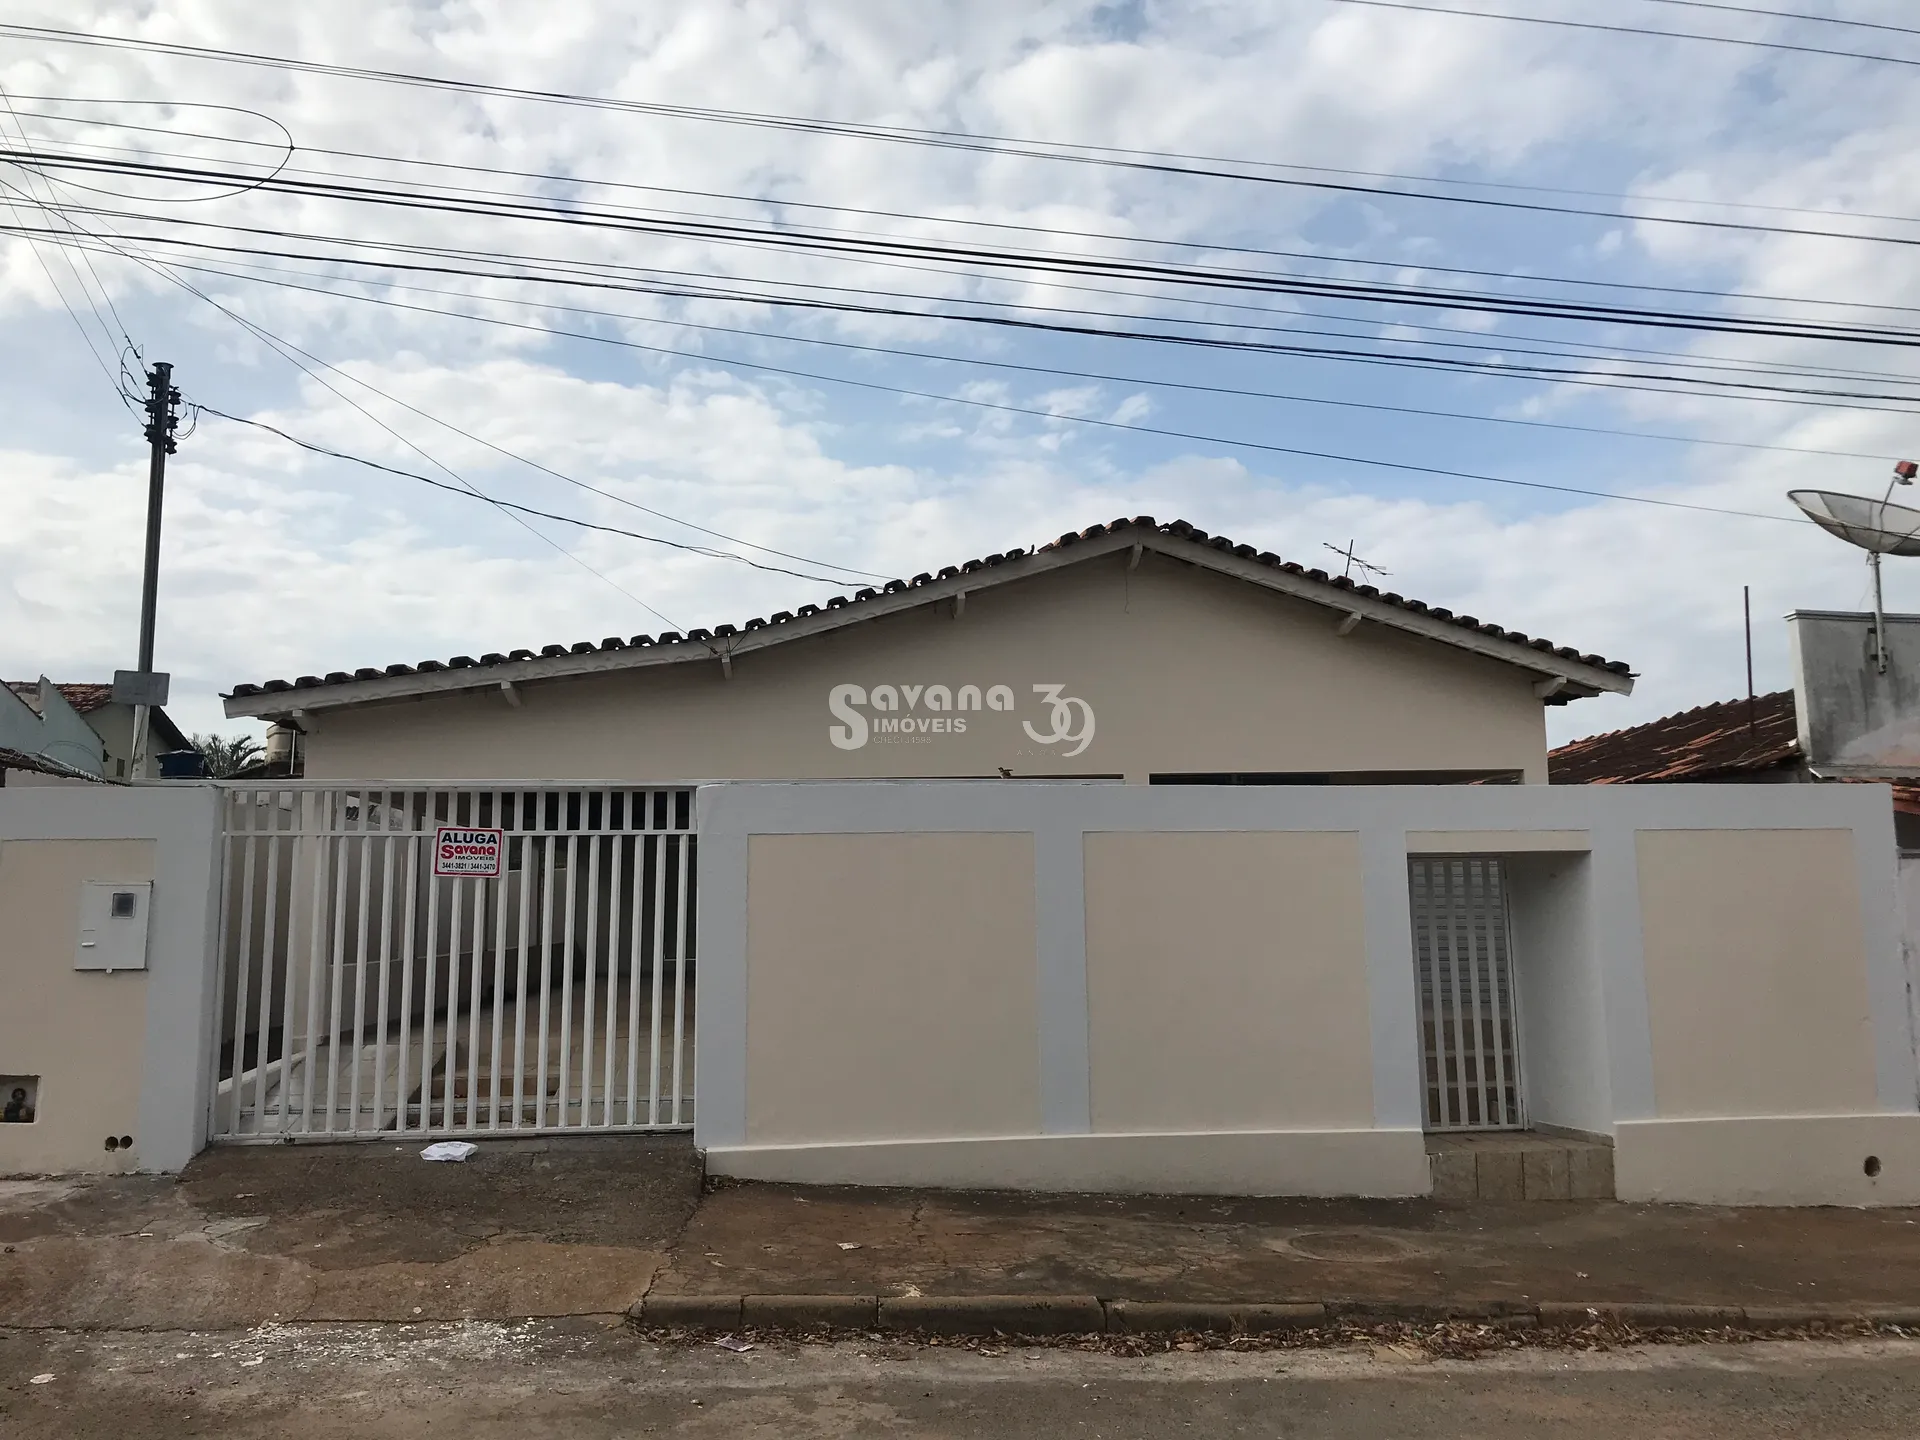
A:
361	994
1469	1011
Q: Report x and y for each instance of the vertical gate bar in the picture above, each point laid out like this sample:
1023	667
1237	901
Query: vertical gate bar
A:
297	808
1474	877
592	964
546	969
502	883
1515	1056
337	968
635	954
240	984
449	1051
224	850
1496	1012
615	953
659	972
1457	1092
384	997
322	810
1463	930
432	963
566	976
403	1080
612	1037
1423	984
520	982
360	964
266	978
470	1070
680	973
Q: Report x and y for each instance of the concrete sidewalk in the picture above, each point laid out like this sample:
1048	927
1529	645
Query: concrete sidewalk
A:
590	1226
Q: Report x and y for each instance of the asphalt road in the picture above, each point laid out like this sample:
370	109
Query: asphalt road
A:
585	1380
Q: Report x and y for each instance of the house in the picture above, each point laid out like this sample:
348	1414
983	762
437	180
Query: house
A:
108	720
1134	651
1843	721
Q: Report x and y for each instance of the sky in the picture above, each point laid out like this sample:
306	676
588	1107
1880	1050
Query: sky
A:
784	427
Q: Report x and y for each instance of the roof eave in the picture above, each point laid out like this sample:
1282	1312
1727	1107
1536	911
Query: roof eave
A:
1576	678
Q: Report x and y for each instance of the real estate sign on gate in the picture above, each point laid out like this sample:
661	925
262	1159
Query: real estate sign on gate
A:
458	851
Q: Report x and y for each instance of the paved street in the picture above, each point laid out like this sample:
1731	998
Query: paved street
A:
584	1380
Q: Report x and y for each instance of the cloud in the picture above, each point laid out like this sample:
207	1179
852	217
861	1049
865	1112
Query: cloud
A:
279	562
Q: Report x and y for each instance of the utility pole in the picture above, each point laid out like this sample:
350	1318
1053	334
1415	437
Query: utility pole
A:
144	687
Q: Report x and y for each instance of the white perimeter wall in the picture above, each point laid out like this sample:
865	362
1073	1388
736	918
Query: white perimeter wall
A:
1222	988
126	1052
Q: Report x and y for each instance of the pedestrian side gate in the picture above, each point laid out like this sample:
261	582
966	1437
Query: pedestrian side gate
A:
363	994
1469	1009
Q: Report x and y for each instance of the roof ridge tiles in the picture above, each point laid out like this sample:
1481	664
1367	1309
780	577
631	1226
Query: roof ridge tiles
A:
1174	529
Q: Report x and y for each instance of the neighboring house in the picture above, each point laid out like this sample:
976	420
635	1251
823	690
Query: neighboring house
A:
1133	651
111	721
21	770
1747	742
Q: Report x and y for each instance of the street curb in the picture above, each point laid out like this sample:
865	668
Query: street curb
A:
985	1315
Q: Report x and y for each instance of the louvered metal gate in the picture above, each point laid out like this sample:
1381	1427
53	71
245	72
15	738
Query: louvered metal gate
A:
363	995
1469	1008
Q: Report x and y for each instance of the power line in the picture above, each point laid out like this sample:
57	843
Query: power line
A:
834	244
1106	156
1497	368
1790	15
1507	341
468	493
981	361
791	204
1203	245
106	242
1630	30
1109	424
282	347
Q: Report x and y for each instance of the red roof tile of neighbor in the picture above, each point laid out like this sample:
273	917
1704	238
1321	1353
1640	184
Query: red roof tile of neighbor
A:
1179	529
1708	743
81	697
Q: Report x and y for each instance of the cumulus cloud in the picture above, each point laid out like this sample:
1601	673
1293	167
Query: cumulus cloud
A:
280	562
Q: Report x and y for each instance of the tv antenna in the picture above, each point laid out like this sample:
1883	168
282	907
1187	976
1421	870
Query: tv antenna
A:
1353	561
1878	527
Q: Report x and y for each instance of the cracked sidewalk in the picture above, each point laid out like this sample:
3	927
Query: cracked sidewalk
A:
587	1226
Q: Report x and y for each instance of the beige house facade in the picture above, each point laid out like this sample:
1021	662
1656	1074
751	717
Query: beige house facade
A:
1136	652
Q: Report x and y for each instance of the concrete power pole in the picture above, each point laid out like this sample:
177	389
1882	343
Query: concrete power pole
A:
143	687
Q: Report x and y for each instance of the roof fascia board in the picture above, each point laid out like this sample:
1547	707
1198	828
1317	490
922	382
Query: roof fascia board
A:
1588	678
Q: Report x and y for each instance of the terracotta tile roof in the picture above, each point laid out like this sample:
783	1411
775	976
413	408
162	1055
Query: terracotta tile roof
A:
1179	529
82	697
1708	743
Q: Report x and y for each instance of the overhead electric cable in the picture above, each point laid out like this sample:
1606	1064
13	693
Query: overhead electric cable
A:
945	139
979	361
471	494
1595	25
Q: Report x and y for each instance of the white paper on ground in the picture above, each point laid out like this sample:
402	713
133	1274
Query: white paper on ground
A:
449	1150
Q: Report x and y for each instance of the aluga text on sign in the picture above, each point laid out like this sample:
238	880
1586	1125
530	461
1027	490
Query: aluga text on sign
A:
1070	719
458	851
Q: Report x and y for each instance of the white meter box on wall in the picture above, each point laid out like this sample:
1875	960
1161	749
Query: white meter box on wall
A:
113	925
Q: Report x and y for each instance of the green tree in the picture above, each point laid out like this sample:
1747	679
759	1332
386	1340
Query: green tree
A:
225	754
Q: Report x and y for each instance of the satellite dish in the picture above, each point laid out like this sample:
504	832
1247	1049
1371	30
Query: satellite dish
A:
1877	525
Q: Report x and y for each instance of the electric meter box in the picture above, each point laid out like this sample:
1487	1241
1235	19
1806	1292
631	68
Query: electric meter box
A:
113	925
